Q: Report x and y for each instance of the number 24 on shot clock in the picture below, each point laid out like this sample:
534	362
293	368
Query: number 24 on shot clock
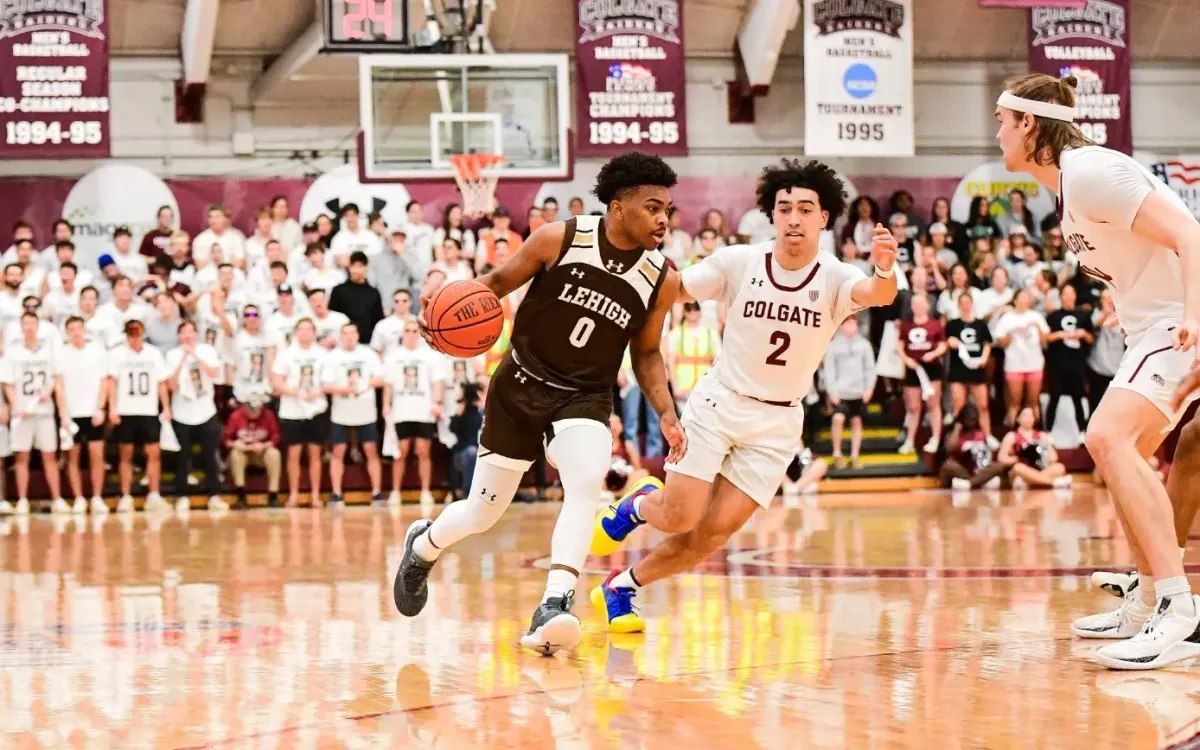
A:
364	26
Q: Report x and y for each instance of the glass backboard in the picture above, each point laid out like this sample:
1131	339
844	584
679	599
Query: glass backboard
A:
416	110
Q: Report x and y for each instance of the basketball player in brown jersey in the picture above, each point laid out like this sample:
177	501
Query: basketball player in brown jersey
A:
598	287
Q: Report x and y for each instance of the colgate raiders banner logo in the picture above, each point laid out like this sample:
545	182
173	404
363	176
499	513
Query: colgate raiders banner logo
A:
658	18
1099	20
22	16
883	16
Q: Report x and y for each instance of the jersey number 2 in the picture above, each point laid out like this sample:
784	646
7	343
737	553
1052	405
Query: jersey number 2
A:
782	342
583	331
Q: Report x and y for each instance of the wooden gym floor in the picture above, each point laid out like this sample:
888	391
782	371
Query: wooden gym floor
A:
903	619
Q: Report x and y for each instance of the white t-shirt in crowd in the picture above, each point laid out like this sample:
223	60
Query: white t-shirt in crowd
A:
1024	351
330	325
256	249
137	310
31	285
1101	192
460	271
779	323
83	377
346	242
251	356
340	365
100	329
132	264
387	334
288	232
232	242
10	306
137	375
300	369
412	373
281	326
193	399
59	305
47	334
322	278
31	373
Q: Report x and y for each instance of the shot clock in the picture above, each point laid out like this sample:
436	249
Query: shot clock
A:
366	26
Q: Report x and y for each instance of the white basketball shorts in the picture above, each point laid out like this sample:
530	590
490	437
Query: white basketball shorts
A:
1153	369
746	441
40	432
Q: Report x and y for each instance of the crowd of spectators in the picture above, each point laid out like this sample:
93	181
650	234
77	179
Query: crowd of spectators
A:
304	340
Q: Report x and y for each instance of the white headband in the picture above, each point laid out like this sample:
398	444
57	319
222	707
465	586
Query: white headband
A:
1041	109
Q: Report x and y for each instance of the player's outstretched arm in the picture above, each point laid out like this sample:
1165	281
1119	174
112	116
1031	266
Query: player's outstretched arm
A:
651	370
880	289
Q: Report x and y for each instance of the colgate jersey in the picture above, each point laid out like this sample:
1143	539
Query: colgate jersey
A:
1100	192
779	322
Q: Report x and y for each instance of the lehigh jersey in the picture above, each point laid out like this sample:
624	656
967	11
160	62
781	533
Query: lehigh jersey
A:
779	322
1100	192
578	317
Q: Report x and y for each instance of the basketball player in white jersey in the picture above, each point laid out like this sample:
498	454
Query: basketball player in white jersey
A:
744	418
1130	231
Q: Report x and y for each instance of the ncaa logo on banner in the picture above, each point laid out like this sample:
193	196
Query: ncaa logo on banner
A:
860	80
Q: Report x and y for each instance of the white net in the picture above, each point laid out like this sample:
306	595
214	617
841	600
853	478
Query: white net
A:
476	181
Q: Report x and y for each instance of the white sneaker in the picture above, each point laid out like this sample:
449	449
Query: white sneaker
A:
1171	634
992	484
125	504
217	505
1125	621
6	508
1117	584
808	489
906	448
960	484
156	504
99	507
22	507
79	507
1019	484
993	443
1063	482
426	497
60	507
183	504
393	500
932	445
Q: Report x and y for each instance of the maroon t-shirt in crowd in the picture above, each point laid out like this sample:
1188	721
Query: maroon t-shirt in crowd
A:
921	339
155	243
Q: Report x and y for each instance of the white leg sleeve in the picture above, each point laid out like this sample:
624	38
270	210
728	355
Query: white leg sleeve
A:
493	486
581	450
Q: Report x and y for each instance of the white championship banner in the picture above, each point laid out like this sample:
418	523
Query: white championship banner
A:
858	73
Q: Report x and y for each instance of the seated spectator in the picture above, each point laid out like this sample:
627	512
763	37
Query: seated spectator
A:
970	456
252	438
1029	455
849	383
466	423
1022	333
922	345
970	344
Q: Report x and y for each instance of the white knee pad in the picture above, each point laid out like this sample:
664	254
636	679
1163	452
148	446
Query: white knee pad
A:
493	486
581	450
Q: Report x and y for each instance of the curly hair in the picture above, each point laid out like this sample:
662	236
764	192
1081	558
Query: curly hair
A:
631	170
815	176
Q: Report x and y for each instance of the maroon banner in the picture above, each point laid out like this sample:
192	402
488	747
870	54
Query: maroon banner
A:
1092	44
1032	3
53	80
629	78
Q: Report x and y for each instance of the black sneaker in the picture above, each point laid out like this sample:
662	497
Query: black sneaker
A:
336	501
379	499
272	499
410	589
240	503
553	626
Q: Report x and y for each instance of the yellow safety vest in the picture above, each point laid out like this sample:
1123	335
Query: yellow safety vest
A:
694	355
494	355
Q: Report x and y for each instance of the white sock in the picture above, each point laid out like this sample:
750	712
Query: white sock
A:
1179	592
637	506
581	452
624	580
559	583
493	486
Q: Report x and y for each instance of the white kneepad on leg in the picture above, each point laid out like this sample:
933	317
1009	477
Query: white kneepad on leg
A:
581	450
493	486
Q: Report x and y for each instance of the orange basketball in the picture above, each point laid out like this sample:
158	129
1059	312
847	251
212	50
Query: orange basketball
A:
465	319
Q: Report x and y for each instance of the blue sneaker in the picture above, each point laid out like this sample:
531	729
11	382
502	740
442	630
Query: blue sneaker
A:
618	604
615	522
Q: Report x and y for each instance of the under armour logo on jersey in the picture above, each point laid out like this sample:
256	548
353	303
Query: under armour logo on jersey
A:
756	282
710	402
1158	380
614	267
577	273
487	498
521	377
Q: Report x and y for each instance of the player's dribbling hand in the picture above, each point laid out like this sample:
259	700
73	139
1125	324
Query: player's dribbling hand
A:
676	438
421	322
883	248
1184	337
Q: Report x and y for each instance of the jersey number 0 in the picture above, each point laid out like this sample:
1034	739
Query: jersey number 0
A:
582	332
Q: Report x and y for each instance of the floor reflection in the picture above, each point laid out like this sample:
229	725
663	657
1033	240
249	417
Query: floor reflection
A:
896	620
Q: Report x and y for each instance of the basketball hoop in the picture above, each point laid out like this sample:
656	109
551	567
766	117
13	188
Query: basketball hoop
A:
478	188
